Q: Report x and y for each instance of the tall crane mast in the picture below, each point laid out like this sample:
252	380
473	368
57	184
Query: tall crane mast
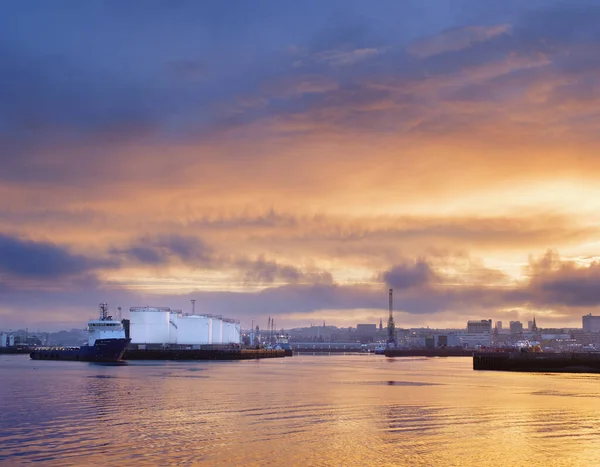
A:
391	327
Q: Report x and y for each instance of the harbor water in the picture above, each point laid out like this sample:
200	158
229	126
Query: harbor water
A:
328	410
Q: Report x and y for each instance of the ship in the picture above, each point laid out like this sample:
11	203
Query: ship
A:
106	342
283	343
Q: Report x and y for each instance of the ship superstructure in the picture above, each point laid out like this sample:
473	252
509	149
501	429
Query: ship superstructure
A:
105	327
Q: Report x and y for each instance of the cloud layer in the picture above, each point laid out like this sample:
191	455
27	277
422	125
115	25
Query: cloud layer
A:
295	162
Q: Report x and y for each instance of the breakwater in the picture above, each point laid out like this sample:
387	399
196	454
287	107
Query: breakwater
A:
201	354
441	352
326	350
537	362
15	350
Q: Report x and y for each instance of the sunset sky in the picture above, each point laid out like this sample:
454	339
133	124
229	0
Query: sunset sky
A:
297	159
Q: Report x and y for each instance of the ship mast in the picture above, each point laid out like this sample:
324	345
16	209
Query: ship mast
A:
103	311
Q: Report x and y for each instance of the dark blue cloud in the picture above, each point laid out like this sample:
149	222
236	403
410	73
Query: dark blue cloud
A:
557	282
560	23
164	249
406	276
570	287
143	255
29	259
192	251
264	271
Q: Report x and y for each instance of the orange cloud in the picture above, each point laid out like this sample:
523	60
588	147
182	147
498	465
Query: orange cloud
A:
343	159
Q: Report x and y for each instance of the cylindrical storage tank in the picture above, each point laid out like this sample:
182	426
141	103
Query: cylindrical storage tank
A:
173	327
225	333
229	331
11	341
3	339
217	331
232	338
207	333
149	325
194	330
237	337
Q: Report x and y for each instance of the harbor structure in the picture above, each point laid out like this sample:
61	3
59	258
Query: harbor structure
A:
391	327
560	362
202	353
164	326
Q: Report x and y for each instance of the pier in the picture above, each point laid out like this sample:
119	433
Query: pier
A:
537	362
440	352
201	354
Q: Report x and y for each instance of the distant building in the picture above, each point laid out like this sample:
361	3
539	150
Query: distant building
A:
366	329
499	326
529	325
479	326
590	323
366	332
516	327
479	333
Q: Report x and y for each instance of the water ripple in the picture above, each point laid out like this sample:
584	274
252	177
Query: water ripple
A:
338	410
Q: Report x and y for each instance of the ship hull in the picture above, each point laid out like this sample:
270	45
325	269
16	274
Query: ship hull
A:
103	350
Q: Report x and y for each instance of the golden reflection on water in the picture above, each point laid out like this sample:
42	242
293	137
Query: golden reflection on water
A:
307	410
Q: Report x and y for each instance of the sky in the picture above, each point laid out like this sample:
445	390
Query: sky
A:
296	159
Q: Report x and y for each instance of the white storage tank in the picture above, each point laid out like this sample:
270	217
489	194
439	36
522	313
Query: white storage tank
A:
173	327
217	330
232	338
11	341
237	336
3	339
225	332
149	325
194	330
231	333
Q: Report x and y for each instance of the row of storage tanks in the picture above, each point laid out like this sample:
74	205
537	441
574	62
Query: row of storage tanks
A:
7	340
161	325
